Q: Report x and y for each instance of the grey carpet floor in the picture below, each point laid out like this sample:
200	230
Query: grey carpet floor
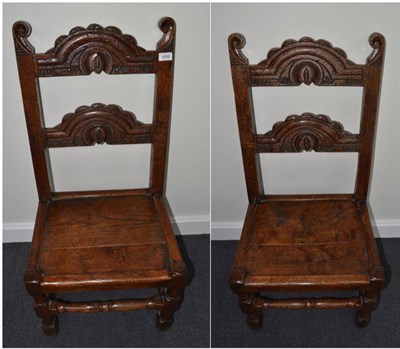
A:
191	328
304	328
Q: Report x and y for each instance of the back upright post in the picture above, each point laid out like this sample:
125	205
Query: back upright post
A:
30	90
369	113
245	116
162	106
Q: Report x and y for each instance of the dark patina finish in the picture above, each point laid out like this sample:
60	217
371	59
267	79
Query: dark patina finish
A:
306	242
110	239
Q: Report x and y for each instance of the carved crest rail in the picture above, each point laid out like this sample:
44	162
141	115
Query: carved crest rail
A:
94	49
306	61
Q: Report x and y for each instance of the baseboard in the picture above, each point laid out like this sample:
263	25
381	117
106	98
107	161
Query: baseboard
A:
226	230
183	225
232	230
17	232
191	225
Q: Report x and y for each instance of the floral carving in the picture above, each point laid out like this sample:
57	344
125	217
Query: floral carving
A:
307	132
306	61
97	49
99	124
79	32
321	43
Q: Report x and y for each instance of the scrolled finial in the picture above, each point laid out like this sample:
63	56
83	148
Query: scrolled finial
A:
236	42
21	31
166	23
167	26
377	42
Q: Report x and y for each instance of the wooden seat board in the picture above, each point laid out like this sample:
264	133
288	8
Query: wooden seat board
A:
291	238
79	232
292	222
307	259
97	281
114	258
100	222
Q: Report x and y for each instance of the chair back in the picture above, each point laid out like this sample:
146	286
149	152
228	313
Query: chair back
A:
82	52
315	62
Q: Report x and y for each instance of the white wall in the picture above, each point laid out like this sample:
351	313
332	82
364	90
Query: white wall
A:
265	26
102	167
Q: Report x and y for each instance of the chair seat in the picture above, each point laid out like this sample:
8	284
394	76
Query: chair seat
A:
306	245
107	241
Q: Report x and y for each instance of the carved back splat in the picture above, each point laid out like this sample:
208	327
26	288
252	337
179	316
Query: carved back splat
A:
82	52
306	61
307	132
99	124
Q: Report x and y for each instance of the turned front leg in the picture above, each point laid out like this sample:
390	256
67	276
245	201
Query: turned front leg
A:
41	305
49	320
369	300
370	297
170	297
171	300
248	304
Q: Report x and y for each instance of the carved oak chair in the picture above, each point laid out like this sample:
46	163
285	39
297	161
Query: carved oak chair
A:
100	240
306	243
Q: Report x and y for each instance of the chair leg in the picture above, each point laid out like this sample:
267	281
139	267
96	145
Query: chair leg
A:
370	297
247	303
49	321
254	320
170	297
170	303
41	300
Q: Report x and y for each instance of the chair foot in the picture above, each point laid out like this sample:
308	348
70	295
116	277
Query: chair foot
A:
247	301
255	320
50	326
164	322
41	306
363	320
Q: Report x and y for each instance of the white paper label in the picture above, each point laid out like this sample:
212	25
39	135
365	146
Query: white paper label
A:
165	56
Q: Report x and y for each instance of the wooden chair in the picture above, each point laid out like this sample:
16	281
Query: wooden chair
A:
307	243
100	240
